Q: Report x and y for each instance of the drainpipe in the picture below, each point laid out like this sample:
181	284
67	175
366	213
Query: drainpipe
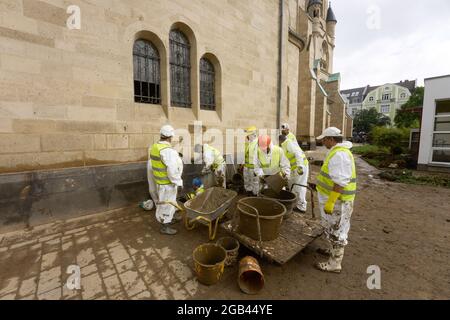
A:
280	64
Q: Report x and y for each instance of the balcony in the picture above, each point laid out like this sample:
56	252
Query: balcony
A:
387	101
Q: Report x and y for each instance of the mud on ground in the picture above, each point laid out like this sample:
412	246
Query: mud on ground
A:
403	229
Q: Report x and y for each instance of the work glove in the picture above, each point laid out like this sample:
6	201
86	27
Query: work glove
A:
300	171
329	206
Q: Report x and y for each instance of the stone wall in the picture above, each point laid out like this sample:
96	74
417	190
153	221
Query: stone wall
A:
66	96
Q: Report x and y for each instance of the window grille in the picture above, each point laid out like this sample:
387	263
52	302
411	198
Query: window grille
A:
207	85
147	74
180	70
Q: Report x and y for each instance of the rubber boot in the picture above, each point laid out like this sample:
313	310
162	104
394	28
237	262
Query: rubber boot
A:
324	252
176	219
334	263
167	230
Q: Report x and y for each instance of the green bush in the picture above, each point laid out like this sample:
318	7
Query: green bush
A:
365	149
395	139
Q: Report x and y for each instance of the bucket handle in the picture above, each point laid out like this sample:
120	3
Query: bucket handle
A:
257	223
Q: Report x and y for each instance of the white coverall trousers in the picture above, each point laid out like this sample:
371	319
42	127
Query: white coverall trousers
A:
302	204
337	225
251	181
165	212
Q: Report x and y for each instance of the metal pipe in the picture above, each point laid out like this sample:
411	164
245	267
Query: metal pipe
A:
280	64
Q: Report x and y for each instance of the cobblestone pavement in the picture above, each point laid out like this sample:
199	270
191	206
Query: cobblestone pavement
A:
121	256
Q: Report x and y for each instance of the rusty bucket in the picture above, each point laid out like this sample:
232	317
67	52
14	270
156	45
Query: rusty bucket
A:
251	279
260	218
231	246
288	199
275	182
209	262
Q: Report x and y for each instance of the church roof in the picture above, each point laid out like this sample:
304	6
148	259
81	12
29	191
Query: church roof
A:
330	15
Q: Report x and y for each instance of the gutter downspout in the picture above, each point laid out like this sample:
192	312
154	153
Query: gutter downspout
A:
280	64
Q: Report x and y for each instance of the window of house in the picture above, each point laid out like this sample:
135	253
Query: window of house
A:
180	70
207	85
441	134
403	95
385	109
371	99
147	75
386	96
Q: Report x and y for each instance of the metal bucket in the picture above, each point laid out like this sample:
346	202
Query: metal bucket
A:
231	246
270	213
275	182
251	279
209	261
288	199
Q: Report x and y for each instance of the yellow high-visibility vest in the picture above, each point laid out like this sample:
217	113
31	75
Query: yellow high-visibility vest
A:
291	156
275	162
159	168
291	137
250	148
218	158
325	184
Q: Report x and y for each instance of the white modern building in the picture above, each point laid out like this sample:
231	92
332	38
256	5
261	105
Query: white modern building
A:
434	154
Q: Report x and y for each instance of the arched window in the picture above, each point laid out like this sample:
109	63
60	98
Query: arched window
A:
207	85
371	99
147	75
180	70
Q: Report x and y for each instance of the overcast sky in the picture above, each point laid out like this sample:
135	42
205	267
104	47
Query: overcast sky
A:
408	39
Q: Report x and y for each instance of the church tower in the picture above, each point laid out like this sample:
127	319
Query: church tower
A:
331	32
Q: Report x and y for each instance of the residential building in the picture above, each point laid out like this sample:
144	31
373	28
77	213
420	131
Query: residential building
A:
434	153
387	99
357	96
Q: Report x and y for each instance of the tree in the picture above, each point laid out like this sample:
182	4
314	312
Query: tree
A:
408	116
365	120
393	138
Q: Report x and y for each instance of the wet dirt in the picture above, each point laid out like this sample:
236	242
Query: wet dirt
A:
210	201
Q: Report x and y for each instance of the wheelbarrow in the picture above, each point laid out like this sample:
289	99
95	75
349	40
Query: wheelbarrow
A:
202	209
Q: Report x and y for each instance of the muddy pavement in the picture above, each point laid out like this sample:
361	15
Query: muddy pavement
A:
403	229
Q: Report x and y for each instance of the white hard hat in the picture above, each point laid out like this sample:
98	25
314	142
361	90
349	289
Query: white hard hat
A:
167	131
285	126
330	132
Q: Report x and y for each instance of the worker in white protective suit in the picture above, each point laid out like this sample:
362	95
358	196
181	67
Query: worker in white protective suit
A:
166	169
251	182
336	185
286	131
269	160
299	171
214	162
